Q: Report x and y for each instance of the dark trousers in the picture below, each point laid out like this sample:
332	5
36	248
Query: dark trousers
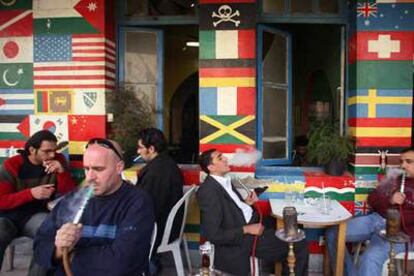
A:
9	231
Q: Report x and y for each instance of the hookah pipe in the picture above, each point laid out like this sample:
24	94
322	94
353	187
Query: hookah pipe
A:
402	188
76	220
256	207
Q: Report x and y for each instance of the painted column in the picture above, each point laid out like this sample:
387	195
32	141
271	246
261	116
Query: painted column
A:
228	76
57	60
381	88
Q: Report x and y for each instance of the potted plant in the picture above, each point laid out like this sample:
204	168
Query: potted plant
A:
328	148
130	114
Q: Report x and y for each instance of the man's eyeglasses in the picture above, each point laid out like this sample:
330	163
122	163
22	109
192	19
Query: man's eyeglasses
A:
104	143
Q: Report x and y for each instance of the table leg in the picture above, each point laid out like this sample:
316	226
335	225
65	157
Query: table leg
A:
340	249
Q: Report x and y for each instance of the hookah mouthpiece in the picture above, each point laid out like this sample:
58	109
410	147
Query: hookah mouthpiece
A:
88	193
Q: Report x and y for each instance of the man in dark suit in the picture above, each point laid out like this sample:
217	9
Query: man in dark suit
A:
231	224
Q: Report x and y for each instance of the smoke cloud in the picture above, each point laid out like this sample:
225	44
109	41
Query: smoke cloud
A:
243	158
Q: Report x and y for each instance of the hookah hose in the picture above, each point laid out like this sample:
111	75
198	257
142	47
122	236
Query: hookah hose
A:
253	253
66	261
406	244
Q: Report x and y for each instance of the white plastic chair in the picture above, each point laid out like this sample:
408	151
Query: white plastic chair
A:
153	238
174	246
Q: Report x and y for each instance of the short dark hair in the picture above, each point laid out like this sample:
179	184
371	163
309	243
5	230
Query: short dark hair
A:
407	150
36	140
153	137
204	160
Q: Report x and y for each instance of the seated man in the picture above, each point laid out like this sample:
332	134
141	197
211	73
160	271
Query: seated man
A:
231	224
27	182
113	237
385	196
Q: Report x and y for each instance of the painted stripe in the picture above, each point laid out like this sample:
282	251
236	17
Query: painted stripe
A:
208	101
380	122
208	62
383	142
226	148
77	147
361	197
227	101
380	131
383	74
221	82
227	72
329	190
11	107
9	127
10	143
246	101
227	45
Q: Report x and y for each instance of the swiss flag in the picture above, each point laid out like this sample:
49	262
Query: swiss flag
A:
16	23
94	12
383	45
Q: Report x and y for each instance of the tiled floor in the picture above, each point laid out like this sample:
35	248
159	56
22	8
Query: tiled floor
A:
23	256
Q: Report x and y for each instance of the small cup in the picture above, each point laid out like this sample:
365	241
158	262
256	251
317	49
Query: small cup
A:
325	204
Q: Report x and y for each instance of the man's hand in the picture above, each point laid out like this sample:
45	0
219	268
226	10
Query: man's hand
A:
53	166
255	229
43	191
67	236
251	198
397	198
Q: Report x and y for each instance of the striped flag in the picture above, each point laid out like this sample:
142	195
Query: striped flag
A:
88	62
16	101
9	127
227	44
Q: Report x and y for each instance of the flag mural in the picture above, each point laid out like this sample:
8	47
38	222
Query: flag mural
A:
227	76
56	65
380	101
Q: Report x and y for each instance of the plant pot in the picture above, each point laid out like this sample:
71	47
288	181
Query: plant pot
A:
335	167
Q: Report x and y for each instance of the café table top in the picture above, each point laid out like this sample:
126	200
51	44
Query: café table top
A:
312	215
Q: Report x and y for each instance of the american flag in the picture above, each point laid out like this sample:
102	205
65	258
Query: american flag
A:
91	65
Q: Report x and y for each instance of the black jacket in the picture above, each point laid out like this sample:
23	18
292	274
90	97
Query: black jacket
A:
163	181
222	222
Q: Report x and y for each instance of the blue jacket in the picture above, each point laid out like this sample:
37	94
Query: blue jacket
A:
115	239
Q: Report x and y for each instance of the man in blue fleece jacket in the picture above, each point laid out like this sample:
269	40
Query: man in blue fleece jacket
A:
114	233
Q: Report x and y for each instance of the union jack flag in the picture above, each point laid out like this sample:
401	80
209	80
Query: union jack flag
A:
362	208
367	9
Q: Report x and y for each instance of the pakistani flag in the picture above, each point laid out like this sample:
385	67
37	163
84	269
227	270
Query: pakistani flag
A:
16	75
63	17
15	4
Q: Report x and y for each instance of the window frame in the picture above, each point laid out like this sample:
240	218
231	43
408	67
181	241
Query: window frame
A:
259	134
122	31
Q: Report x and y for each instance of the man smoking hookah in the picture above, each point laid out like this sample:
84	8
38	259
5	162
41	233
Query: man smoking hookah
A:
395	191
